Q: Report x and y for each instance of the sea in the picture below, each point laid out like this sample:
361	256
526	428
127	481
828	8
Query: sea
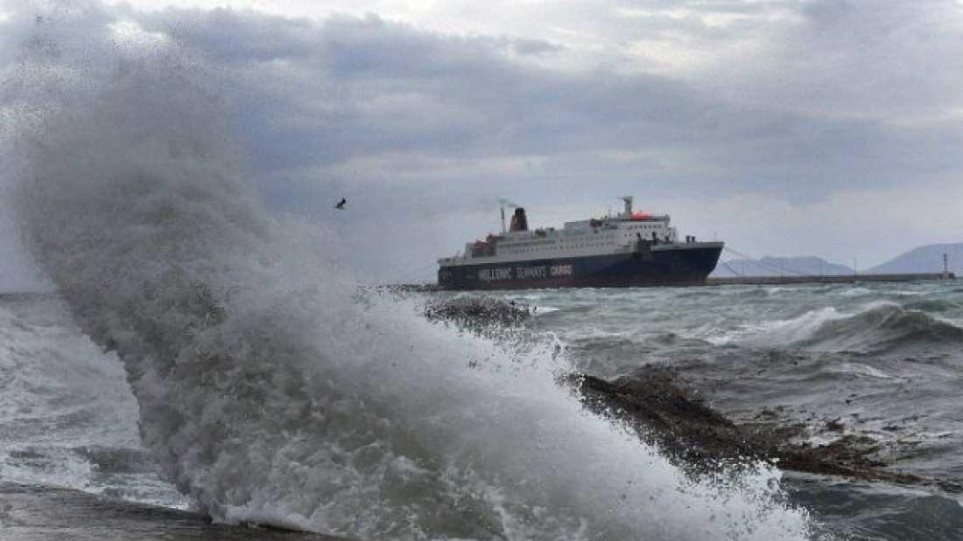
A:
881	361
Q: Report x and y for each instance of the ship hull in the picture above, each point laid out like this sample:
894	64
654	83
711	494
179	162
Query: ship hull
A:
687	264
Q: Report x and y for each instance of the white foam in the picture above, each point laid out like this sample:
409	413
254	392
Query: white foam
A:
859	369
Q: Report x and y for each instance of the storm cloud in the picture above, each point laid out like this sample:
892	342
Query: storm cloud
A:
784	128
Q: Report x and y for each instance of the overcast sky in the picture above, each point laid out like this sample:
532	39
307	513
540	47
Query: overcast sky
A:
827	128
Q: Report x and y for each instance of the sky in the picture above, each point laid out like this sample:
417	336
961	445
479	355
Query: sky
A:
828	128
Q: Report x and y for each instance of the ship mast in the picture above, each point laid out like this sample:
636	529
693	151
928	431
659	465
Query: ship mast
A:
628	205
502	203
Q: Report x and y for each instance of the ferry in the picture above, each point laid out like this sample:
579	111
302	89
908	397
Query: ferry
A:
629	249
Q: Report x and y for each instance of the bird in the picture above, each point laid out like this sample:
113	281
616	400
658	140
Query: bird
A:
340	205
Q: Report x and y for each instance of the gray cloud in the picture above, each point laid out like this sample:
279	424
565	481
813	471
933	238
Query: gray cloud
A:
882	60
431	128
368	86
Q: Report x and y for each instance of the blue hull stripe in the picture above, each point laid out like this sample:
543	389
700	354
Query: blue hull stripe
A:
684	266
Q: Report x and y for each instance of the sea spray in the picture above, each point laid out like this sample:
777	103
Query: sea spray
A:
269	394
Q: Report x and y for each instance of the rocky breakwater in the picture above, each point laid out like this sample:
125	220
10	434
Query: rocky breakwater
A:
666	413
477	313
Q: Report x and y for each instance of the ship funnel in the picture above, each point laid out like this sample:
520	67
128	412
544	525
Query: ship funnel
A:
519	221
628	205
502	203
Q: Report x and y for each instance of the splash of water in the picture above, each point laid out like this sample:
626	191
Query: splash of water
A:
270	395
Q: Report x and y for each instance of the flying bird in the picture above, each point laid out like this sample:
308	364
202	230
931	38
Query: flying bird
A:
340	205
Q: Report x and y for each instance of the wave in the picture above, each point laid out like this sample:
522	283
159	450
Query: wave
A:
934	305
268	393
880	327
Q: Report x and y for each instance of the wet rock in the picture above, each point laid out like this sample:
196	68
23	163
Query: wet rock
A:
834	425
667	414
37	513
477	313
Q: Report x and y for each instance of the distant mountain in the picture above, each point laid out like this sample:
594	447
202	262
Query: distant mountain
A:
924	259
779	266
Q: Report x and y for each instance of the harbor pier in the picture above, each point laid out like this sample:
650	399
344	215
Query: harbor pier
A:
829	279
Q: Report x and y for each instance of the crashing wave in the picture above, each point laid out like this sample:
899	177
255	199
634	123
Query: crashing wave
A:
878	328
267	393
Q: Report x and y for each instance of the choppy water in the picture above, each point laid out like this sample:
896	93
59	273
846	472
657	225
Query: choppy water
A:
67	417
883	359
886	360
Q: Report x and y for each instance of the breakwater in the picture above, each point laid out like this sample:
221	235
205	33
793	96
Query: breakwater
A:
829	279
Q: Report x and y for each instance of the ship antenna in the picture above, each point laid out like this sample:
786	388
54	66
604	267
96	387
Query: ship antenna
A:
502	209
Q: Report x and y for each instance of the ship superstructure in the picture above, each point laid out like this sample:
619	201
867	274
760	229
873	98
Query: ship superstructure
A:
627	249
